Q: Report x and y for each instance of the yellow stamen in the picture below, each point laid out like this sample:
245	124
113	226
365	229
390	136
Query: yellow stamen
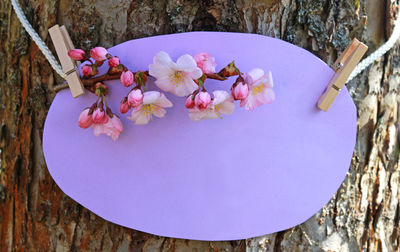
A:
258	89
217	108
148	109
177	78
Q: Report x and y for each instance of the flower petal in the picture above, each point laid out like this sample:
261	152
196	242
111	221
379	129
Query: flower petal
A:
268	96
195	73
249	102
158	70
151	97
162	58
98	129
163	102
159	112
186	87
140	117
220	96
186	62
162	65
164	83
227	107
253	75
197	115
270	82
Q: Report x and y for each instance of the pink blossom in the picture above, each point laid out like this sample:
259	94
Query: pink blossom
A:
127	78
178	77
124	107
189	103
240	91
205	62
135	97
99	53
99	116
202	100
87	70
77	54
154	103
113	127
85	120
260	91
113	61
221	104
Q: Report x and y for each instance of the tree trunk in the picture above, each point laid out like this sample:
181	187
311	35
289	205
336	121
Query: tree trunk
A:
35	215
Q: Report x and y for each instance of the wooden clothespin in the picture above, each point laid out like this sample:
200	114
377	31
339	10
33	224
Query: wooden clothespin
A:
343	67
62	43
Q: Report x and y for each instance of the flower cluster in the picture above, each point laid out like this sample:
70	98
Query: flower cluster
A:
103	121
185	78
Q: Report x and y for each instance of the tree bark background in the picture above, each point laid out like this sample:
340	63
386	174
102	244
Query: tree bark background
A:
35	215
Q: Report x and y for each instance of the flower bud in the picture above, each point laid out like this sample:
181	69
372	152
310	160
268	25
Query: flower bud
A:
189	102
113	61
124	107
85	120
240	90
229	70
99	116
86	70
127	78
77	54
135	98
140	77
205	62
99	53
202	100
100	89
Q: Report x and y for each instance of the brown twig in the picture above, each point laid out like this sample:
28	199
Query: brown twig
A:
101	78
215	76
87	83
105	77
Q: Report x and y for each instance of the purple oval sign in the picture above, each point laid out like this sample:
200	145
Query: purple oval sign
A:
249	174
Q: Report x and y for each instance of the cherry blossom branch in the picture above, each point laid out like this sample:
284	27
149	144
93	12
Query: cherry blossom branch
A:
105	77
101	78
184	78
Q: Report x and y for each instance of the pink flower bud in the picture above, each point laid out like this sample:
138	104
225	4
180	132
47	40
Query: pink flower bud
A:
99	116
127	78
205	62
202	100
85	120
189	102
124	108
77	54
113	62
135	98
86	70
240	91
99	53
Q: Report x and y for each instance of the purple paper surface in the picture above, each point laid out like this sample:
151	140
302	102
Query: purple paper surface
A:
249	174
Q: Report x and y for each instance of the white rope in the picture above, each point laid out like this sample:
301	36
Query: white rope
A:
39	42
54	64
379	52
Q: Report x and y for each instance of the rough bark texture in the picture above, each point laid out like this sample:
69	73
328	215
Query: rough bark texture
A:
36	216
